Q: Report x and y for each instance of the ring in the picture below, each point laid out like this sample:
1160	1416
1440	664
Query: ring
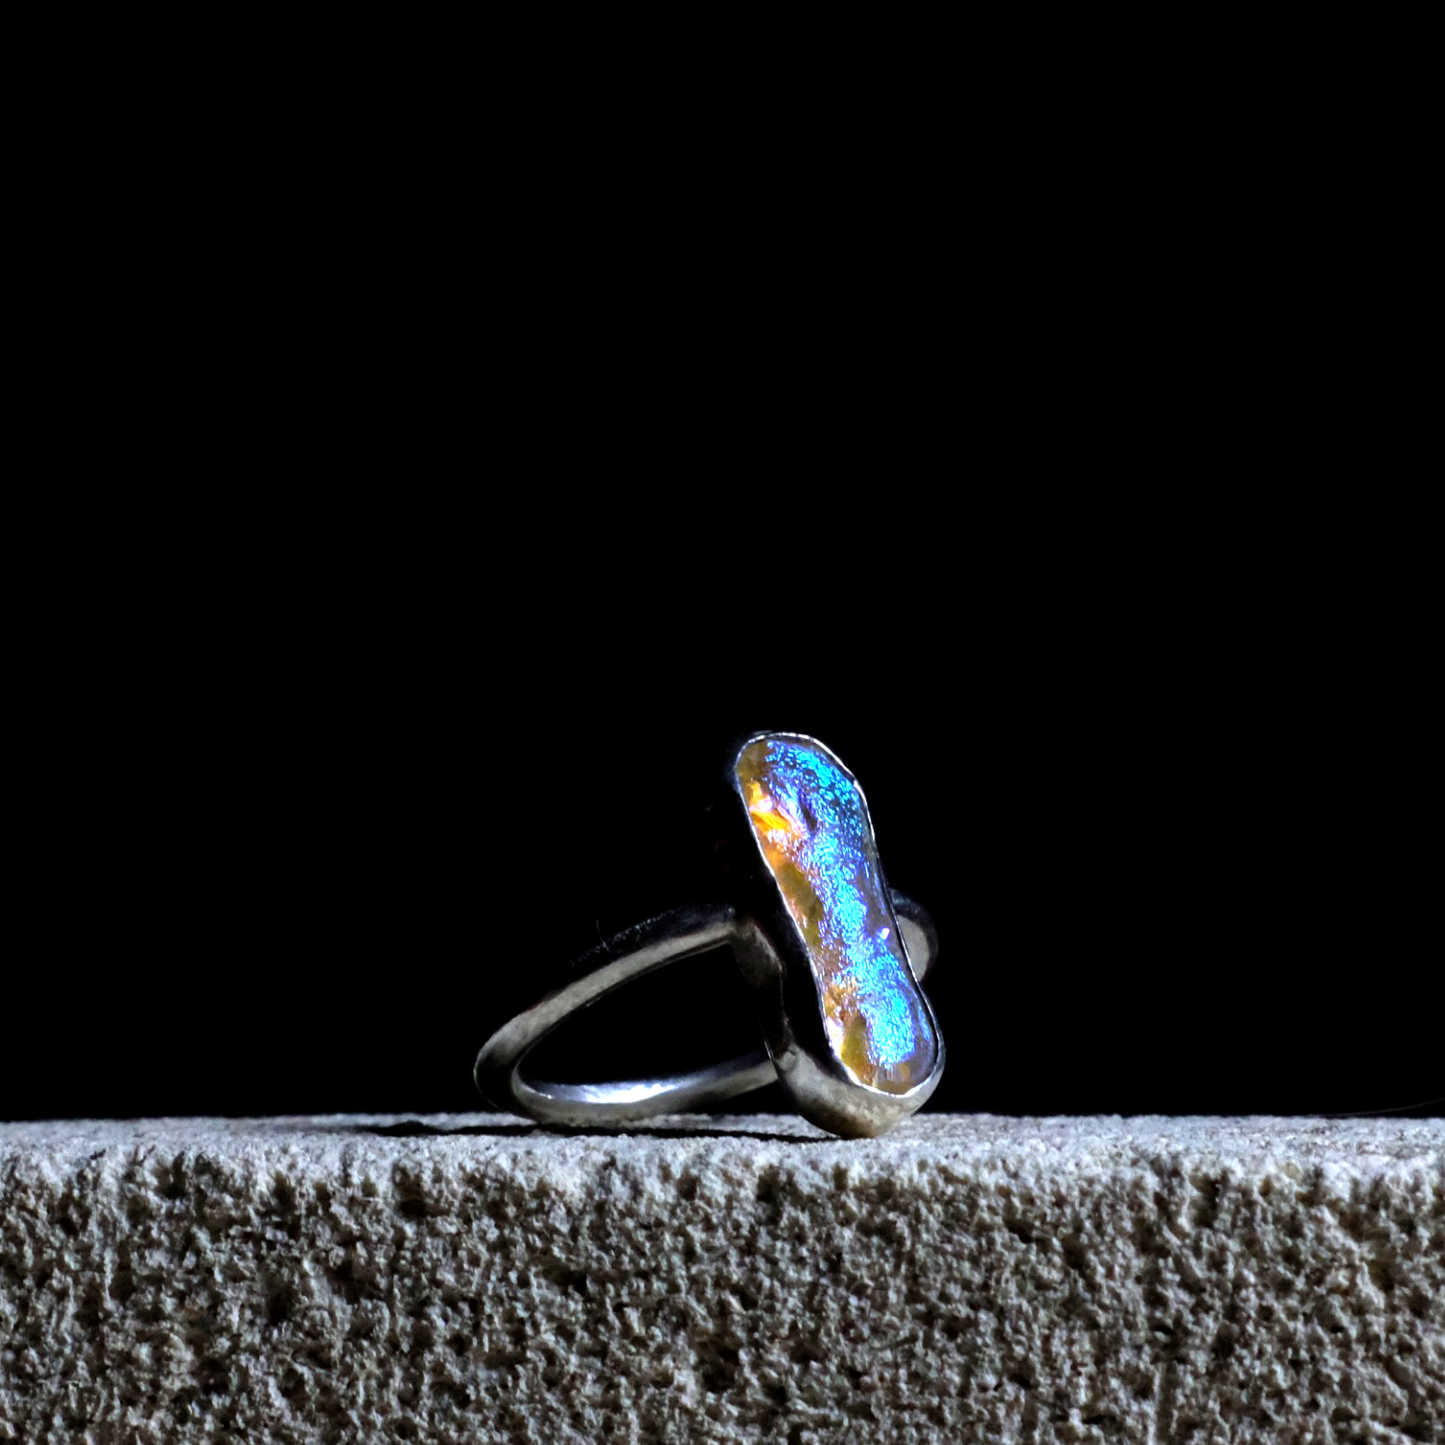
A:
832	956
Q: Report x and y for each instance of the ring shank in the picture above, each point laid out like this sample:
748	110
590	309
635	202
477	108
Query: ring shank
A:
670	938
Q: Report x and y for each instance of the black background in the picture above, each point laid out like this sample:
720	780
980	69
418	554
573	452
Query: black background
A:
317	814
421	520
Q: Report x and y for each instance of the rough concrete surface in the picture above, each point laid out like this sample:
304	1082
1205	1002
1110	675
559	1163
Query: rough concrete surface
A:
723	1279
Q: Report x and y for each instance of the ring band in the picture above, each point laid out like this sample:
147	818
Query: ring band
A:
832	955
669	938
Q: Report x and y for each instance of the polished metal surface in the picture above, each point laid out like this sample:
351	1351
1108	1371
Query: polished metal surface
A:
817	1087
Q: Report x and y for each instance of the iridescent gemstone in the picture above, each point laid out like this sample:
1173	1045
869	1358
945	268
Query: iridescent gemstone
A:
812	828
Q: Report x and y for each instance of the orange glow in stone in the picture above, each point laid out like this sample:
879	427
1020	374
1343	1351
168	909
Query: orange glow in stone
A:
813	831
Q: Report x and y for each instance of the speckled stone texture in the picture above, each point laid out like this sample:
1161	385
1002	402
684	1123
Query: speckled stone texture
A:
963	1279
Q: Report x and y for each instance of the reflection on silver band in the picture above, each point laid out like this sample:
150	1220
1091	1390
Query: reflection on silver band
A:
669	938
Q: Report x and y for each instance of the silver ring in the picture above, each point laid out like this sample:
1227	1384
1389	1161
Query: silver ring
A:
832	955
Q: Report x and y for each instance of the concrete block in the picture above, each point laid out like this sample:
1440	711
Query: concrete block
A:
963	1279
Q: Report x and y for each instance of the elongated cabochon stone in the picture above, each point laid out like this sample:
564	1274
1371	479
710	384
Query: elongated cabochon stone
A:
812	828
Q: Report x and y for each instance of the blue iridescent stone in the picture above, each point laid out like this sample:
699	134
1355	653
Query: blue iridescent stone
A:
811	824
